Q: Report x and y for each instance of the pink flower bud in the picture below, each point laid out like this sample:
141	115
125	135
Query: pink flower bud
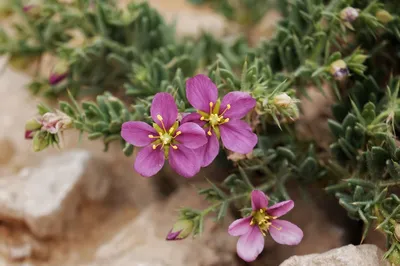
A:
349	14
54	122
339	70
180	230
59	73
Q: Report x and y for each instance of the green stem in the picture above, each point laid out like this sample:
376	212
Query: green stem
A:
228	200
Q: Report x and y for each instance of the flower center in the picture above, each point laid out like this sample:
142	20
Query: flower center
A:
263	220
213	117
165	138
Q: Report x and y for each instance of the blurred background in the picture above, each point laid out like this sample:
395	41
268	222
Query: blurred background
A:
82	206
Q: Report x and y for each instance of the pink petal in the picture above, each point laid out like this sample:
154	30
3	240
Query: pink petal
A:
289	234
149	161
258	200
240	226
137	133
164	104
250	245
184	161
192	136
200	91
193	117
241	103
209	151
237	136
281	208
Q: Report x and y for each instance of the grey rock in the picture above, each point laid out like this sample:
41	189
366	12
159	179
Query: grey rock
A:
46	197
141	242
350	255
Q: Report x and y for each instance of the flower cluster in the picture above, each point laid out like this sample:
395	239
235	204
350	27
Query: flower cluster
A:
191	141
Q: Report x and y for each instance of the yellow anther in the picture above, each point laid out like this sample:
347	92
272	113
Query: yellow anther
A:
159	117
154	147
260	222
252	222
228	106
211	104
174	147
209	133
261	211
178	133
264	234
202	118
226	120
151	136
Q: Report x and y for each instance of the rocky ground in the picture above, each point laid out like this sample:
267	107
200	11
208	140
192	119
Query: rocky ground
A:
83	207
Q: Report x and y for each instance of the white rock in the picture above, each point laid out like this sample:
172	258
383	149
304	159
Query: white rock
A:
47	197
192	20
363	255
142	241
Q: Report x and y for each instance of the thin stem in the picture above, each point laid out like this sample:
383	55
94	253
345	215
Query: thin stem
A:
228	200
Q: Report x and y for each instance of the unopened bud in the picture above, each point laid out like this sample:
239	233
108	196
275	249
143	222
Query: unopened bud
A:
32	124
40	141
383	16
59	73
349	14
180	230
32	10
282	100
339	70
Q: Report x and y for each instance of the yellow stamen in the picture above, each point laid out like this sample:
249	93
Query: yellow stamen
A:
209	133
228	106
252	222
261	211
174	147
202	118
264	234
153	137
178	133
159	117
154	147
211	107
277	228
226	120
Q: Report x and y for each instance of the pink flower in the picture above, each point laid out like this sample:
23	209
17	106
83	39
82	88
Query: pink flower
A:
264	220
165	140
220	118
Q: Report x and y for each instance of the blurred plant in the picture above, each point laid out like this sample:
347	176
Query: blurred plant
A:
351	47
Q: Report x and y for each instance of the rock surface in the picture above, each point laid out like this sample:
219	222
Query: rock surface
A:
192	20
350	255
46	197
142	241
